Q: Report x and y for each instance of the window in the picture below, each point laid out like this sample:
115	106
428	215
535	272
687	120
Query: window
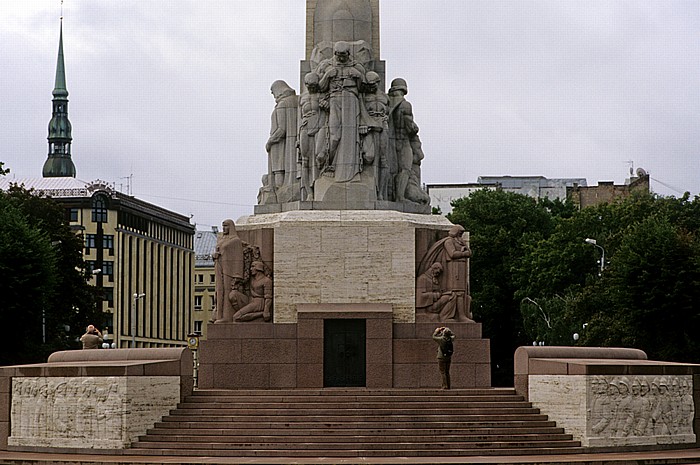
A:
197	326
108	295
108	241
72	214
199	278
108	269
90	240
212	278
99	209
198	302
212	301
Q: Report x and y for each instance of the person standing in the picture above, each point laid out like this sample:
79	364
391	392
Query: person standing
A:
92	339
443	336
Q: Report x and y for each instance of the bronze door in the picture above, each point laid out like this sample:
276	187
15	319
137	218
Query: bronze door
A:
344	353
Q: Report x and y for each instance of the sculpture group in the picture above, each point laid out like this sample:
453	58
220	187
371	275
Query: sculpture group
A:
342	129
243	281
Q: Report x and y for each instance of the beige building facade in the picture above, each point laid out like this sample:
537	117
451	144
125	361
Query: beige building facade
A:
133	248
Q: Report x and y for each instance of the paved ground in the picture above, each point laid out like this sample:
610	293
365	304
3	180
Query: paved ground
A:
688	456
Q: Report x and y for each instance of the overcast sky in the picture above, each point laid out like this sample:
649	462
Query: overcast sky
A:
176	93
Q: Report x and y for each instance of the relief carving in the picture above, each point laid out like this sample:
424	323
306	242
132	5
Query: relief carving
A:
640	406
67	408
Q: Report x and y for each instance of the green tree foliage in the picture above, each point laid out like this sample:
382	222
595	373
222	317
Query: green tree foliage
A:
642	299
44	279
501	224
534	278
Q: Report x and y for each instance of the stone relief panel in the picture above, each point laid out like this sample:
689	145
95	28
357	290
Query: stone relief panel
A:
640	407
94	412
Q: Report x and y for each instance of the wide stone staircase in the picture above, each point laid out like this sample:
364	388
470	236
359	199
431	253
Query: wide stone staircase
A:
347	422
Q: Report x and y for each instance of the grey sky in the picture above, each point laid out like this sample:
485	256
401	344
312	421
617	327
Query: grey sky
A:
177	93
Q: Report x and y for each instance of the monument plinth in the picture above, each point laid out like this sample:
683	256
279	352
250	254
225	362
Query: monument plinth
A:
345	273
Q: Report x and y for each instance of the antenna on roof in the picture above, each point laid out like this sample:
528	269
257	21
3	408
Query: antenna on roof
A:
61	10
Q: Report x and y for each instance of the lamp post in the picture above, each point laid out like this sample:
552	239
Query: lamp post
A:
602	251
136	297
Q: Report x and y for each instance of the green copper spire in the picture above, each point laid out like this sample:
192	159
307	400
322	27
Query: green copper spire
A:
59	163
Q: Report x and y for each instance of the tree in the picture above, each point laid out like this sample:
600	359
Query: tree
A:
644	297
502	225
44	290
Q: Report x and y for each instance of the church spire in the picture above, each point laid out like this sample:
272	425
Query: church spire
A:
59	163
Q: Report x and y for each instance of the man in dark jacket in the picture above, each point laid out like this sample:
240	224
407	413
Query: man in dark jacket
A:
444	337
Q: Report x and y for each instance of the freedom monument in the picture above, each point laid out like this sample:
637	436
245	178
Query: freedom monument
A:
327	298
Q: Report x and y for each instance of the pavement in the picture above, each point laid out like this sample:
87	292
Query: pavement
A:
685	456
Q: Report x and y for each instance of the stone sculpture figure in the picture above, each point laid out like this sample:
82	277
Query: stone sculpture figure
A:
281	145
374	130
313	131
431	299
229	268
341	77
403	129
260	303
414	191
452	253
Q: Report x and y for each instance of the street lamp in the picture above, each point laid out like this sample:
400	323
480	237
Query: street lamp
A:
133	318
602	251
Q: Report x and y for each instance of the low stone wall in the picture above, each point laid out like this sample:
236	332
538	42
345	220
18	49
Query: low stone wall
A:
91	399
611	402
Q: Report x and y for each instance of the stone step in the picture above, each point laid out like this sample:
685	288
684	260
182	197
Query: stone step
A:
194	431
398	453
539	422
337	404
388	424
330	392
349	437
349	398
376	419
354	423
337	446
349	411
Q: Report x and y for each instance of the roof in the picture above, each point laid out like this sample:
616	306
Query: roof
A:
52	187
204	245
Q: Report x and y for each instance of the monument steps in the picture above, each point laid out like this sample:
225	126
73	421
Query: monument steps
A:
354	422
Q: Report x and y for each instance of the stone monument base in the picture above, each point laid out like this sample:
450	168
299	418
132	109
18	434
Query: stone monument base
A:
396	355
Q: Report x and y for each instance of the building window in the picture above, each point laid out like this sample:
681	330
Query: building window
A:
212	301
197	326
108	242
198	302
199	278
72	215
108	269
108	293
212	278
90	240
99	209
